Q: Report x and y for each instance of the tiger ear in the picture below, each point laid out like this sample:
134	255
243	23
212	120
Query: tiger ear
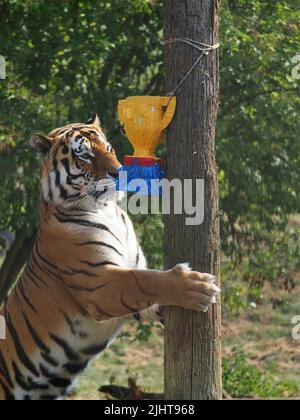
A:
42	144
95	120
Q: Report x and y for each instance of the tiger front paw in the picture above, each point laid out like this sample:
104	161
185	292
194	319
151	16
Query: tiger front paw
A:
193	290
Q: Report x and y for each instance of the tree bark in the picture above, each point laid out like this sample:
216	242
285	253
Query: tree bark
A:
193	340
15	260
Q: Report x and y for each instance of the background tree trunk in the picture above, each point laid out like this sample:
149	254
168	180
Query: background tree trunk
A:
15	260
192	340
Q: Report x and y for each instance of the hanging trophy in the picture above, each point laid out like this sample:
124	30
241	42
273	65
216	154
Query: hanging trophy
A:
144	119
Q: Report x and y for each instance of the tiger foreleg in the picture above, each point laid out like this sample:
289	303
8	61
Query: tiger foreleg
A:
122	292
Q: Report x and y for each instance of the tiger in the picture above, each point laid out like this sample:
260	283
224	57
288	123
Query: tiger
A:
87	274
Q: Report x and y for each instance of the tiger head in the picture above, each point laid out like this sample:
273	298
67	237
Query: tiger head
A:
78	165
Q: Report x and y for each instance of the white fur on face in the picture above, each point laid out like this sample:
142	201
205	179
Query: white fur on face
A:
82	148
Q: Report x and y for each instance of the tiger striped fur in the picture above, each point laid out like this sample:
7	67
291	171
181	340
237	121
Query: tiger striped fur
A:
87	273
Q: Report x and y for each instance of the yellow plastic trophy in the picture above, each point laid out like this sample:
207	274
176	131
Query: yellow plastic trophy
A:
144	119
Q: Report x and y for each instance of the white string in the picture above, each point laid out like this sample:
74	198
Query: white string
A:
204	48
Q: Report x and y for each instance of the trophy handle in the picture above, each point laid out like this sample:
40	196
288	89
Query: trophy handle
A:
170	103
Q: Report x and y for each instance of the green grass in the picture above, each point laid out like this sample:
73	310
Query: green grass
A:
265	334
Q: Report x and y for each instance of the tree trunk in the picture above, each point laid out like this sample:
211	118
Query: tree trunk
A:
193	340
15	260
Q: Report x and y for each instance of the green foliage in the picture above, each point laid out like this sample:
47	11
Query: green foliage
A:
265	256
243	380
258	142
144	332
65	61
258	147
150	231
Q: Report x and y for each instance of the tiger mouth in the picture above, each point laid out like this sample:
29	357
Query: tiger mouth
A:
99	194
104	189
